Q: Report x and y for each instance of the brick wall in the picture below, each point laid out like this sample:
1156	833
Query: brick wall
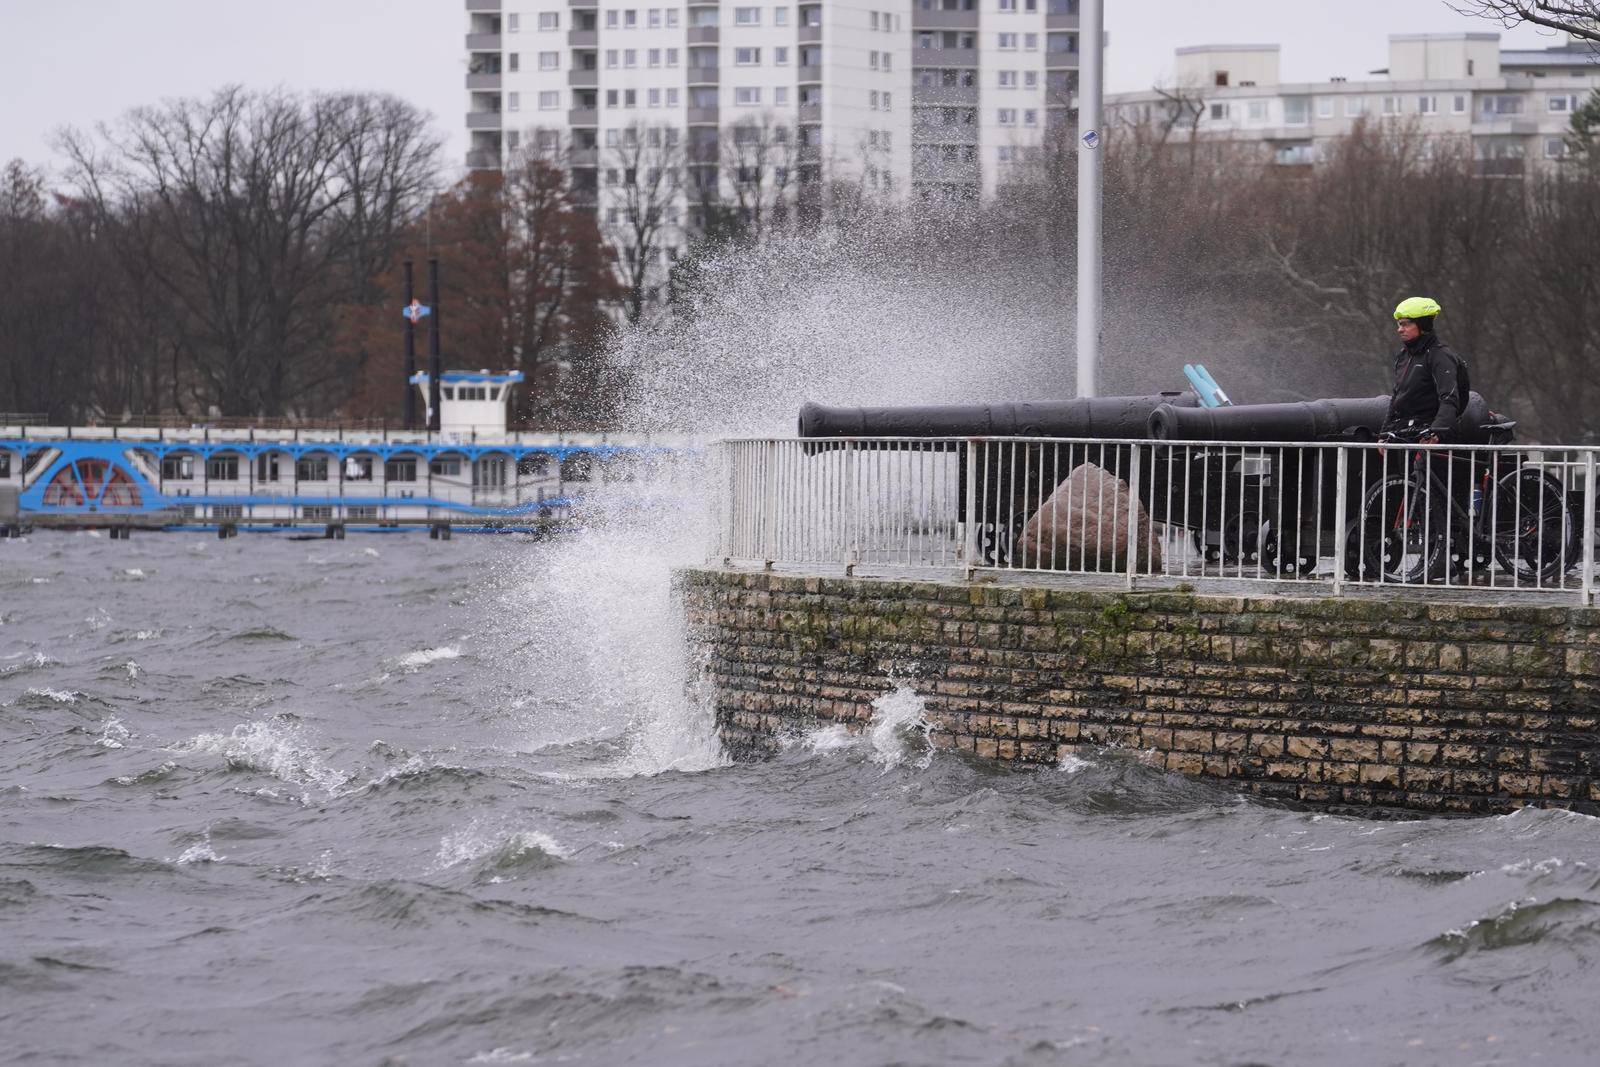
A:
1449	707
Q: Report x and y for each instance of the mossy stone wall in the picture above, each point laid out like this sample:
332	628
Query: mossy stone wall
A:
1449	707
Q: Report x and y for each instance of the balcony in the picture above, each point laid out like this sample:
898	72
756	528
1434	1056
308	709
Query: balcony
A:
483	5
1061	61
1502	168
944	20
705	76
583	116
807	75
703	116
583	157
583	38
583	3
483	81
944	134
484	159
809	34
583	79
483	120
1061	22
809	113
704	34
483	42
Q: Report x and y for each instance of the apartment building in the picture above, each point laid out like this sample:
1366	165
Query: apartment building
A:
930	98
1514	105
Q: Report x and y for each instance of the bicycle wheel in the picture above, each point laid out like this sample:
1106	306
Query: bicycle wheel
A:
1535	532
1399	535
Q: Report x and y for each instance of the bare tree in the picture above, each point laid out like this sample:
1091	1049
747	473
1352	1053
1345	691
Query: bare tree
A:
759	160
256	216
642	182
1580	18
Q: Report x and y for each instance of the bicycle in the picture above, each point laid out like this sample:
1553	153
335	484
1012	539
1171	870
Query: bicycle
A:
1448	514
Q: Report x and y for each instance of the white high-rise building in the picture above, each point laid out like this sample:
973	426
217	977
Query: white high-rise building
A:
924	97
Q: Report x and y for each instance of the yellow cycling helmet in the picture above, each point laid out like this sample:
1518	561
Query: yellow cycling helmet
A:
1417	307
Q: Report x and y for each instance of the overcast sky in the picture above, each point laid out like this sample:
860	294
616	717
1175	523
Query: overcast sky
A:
87	61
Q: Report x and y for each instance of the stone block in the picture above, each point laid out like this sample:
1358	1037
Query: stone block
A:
1185	762
1353	750
1191	741
1380	774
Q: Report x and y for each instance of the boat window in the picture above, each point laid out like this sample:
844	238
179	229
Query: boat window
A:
358	468
311	469
445	468
177	468
489	473
449	391
222	468
400	470
267	467
578	467
533	465
5	464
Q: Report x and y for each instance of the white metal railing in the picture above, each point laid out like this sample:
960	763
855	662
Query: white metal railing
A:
1485	517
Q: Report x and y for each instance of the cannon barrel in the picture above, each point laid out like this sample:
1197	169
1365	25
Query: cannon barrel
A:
1312	420
1107	417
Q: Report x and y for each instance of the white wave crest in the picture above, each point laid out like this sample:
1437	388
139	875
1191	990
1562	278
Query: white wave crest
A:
414	661
113	734
899	728
475	843
271	747
60	696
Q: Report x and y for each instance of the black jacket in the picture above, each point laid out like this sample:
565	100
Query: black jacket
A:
1430	385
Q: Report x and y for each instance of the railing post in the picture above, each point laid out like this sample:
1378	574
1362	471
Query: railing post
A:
852	482
969	516
1341	483
769	520
1588	527
1133	512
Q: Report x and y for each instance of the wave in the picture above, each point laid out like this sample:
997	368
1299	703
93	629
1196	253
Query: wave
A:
1561	920
898	732
497	852
412	662
274	747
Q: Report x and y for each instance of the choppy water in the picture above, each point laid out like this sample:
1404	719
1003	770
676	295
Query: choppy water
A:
390	800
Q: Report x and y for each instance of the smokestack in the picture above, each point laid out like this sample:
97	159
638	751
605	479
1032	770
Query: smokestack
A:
411	353
435	370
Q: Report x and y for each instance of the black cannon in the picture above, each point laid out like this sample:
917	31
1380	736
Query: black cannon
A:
1311	420
1101	418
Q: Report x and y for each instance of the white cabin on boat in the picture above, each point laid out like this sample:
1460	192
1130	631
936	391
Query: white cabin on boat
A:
472	404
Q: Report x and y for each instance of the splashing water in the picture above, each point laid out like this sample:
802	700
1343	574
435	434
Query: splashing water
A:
271	747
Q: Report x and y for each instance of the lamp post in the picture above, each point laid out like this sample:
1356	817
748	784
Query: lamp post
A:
1091	40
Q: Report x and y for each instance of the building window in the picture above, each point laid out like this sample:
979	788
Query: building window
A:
1030	79
1391	105
780	95
1458	104
1030	42
549	60
1257	111
747	57
1008	42
1008	79
780	16
655	18
1555	148
514	61
654	57
1008	5
1008	116
1561	105
513	101
872	100
630	18
549	100
1059	43
672	101
630	58
611	100
1502	105
780	57
888	101
1030	117
672	18
630	98
747	16
747	96
513	23
513	138
549	20
1355	106
611	59
655	98
1296	110
872	60
1427	105
613	19
1324	107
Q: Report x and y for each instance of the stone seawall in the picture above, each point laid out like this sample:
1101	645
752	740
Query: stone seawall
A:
1445	707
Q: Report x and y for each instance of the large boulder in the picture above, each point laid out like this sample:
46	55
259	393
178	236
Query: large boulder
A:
1084	527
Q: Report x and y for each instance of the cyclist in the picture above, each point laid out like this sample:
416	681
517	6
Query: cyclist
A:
1430	381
